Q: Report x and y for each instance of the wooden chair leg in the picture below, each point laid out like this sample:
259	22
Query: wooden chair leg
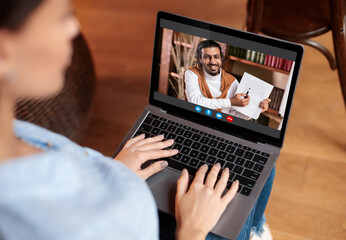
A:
254	15
338	20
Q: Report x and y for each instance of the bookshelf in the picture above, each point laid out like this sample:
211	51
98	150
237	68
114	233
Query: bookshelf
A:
232	58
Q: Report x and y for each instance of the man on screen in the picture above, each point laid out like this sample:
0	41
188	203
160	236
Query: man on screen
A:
208	85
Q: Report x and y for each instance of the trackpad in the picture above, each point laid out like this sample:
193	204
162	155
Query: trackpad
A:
164	187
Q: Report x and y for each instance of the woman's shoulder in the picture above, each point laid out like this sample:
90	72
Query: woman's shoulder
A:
39	136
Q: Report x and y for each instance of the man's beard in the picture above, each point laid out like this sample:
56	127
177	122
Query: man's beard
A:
209	69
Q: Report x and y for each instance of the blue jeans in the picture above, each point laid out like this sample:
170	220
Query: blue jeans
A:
256	217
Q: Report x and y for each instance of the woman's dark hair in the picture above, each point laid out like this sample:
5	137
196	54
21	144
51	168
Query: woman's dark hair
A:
206	44
13	13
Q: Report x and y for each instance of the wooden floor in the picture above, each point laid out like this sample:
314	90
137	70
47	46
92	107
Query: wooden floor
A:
309	194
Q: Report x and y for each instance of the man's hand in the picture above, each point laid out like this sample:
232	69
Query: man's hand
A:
139	150
239	100
264	104
198	208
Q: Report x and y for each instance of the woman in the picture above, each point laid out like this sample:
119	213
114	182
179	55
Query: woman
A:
51	188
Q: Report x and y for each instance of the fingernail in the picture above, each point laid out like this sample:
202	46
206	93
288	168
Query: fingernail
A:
205	165
164	164
175	150
218	164
184	172
236	182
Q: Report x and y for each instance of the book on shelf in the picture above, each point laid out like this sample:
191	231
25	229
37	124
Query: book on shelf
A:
261	58
276	98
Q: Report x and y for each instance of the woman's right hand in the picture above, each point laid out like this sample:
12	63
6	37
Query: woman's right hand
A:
198	208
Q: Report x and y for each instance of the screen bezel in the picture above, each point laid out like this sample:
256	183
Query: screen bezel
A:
211	122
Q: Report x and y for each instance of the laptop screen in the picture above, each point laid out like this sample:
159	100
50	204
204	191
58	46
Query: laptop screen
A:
235	81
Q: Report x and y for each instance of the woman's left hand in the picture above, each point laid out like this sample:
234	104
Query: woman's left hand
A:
138	150
265	104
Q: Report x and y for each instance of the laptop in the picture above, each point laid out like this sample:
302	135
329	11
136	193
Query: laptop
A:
248	146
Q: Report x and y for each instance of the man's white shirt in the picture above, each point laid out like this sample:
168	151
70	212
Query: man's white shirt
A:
194	94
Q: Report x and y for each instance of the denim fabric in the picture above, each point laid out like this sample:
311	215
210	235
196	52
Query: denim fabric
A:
254	222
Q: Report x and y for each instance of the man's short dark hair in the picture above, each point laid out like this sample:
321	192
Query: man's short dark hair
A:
206	44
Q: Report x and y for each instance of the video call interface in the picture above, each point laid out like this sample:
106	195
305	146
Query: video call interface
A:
238	82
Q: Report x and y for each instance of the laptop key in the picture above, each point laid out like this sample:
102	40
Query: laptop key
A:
152	115
180	166
238	169
177	156
211	160
222	146
187	142
185	159
211	136
205	140
230	149
255	151
155	131
148	120
249	164
265	154
251	174
187	134
239	152
171	136
246	148
179	131
237	145
222	155
213	143
156	123
248	155
193	153
213	151
203	133
204	148
202	156
260	159
258	168
196	145
163	126
239	161
231	158
185	150
194	162
196	137
246	191
171	128
145	128
245	181
179	139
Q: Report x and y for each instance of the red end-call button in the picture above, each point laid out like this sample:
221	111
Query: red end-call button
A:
229	118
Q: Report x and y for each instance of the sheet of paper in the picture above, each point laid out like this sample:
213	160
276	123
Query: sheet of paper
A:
258	91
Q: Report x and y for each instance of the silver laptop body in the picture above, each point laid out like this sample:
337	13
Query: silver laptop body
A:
247	133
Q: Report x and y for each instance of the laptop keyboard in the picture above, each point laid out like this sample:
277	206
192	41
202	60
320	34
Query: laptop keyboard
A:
197	148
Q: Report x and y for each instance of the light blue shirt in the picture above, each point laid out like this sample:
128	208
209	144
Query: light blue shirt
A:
71	192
